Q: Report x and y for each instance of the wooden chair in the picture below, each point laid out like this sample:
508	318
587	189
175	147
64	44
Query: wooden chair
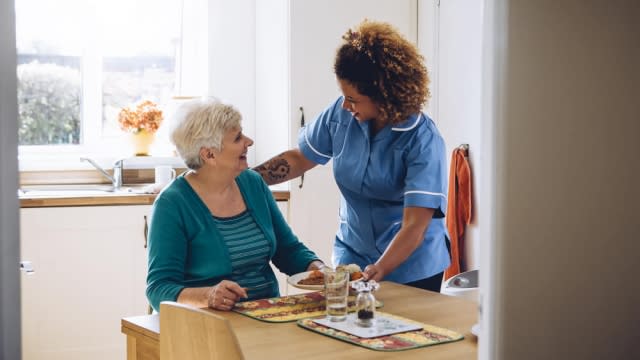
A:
187	332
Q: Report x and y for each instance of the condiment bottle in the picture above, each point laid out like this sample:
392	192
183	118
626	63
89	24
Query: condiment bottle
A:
365	302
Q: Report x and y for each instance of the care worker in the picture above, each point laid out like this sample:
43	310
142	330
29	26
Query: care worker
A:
388	160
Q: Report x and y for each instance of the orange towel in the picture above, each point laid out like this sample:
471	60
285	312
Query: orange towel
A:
458	208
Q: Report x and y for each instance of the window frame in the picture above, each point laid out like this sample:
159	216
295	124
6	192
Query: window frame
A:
191	65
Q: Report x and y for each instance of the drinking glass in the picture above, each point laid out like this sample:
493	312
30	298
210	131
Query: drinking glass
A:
336	288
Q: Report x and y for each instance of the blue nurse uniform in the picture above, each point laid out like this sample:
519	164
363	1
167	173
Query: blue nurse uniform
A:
401	166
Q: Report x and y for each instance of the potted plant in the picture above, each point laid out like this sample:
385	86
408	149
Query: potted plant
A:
142	122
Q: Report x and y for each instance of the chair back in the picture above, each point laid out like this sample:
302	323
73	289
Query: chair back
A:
187	332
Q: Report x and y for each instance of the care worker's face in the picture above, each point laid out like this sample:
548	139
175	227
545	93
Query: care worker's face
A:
234	150
360	106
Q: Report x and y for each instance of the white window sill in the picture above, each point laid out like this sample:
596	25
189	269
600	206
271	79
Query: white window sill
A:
105	154
71	161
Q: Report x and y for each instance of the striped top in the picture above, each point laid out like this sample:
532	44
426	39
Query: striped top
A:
249	252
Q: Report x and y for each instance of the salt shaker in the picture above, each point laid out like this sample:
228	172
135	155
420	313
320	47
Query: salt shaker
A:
365	302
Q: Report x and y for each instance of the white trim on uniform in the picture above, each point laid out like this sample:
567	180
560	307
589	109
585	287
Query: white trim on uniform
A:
306	138
425	193
409	128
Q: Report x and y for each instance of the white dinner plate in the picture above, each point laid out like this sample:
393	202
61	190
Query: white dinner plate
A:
475	329
294	279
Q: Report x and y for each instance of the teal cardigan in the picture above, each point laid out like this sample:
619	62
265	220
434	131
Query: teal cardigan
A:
187	250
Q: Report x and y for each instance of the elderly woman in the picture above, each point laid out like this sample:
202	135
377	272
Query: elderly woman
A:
215	228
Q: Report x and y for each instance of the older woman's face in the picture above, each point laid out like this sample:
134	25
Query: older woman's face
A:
360	106
234	150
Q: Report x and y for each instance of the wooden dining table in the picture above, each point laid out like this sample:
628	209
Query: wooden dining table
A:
265	340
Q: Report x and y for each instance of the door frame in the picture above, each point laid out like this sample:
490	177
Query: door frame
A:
10	328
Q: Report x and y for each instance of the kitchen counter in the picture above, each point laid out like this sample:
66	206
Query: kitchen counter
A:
65	188
64	198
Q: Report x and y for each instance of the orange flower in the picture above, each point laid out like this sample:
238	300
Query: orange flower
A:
146	116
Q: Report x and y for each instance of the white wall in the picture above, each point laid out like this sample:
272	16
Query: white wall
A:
562	104
232	58
272	74
450	37
249	68
9	238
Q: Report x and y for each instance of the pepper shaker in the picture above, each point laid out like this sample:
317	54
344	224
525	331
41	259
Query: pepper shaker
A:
365	302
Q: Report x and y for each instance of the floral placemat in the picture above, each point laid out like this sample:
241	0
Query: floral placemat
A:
428	335
289	308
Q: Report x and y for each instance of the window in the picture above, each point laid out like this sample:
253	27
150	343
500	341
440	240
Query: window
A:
80	62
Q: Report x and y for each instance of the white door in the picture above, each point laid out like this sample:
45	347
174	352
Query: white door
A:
316	28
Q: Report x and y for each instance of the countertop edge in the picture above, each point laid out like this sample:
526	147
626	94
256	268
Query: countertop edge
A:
125	199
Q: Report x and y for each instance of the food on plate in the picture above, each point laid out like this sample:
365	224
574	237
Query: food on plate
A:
316	277
355	275
354	270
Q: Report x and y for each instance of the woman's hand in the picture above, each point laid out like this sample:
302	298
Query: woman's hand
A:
315	265
373	272
225	295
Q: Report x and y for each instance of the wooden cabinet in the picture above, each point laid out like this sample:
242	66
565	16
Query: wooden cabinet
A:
89	271
90	266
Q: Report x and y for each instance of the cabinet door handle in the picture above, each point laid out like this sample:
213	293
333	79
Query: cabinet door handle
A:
146	231
302	124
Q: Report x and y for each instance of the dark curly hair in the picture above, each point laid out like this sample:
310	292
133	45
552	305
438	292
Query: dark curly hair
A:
384	66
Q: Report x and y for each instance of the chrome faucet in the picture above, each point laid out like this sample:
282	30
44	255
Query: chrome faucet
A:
116	179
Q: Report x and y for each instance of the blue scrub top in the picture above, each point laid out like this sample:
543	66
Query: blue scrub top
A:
401	166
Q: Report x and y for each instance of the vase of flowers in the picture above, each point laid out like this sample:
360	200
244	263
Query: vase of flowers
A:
141	122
